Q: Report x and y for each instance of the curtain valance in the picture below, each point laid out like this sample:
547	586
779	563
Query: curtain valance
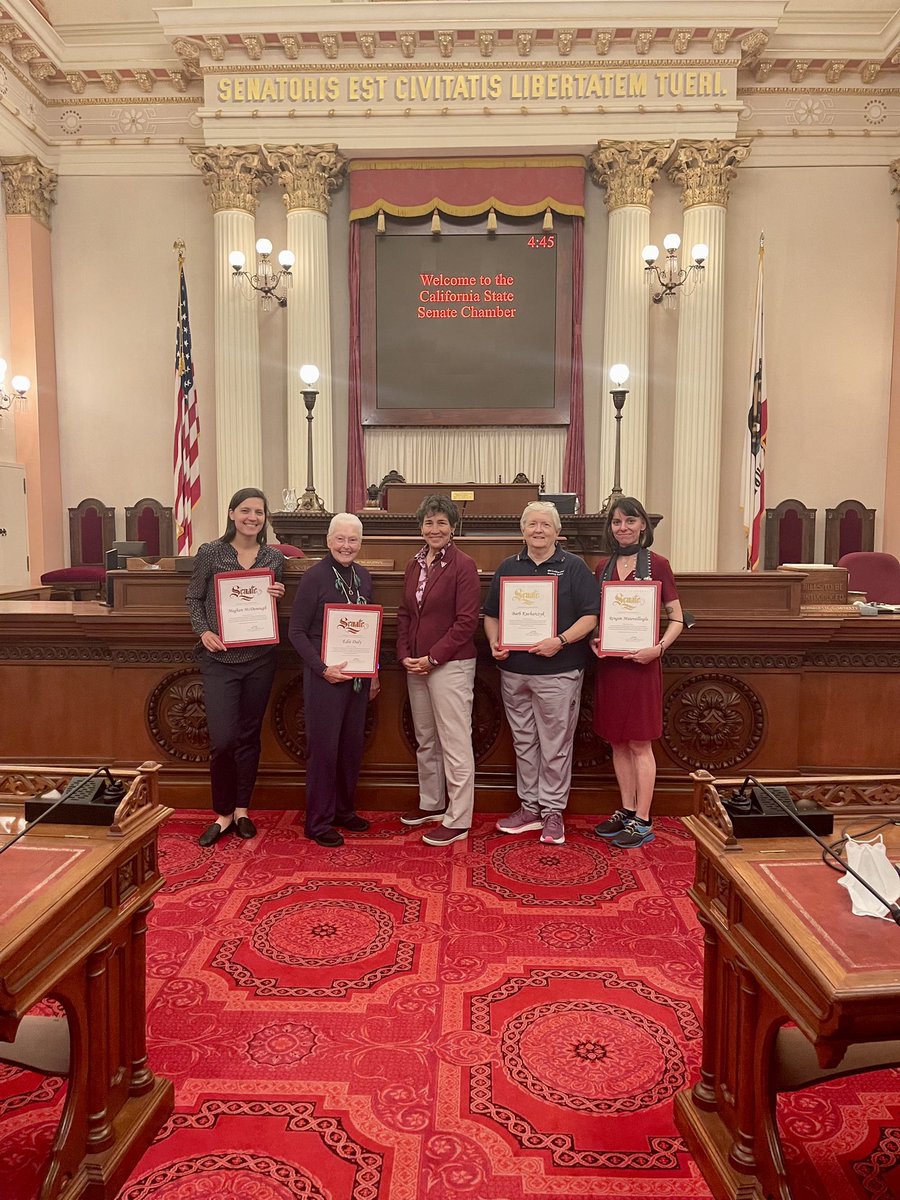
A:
466	187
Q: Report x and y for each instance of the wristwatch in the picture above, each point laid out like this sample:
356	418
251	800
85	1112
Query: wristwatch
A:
432	662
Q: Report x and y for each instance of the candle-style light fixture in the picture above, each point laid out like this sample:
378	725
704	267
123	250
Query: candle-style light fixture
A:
665	281
309	501
265	280
19	384
618	375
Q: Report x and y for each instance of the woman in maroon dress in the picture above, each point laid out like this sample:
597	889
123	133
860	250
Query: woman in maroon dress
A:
628	690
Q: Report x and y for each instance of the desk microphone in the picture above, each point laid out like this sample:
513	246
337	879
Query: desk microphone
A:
891	906
114	785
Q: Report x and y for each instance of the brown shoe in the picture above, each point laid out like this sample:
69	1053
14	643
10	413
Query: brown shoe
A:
421	816
444	835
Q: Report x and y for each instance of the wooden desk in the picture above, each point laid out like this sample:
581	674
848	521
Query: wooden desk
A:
489	498
73	919
780	944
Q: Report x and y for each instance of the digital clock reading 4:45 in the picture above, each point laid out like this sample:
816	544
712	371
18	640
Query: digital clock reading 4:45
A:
546	242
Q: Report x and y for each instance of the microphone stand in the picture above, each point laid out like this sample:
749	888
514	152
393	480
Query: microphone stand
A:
891	906
55	805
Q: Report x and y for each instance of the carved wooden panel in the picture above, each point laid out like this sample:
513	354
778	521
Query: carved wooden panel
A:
712	721
176	716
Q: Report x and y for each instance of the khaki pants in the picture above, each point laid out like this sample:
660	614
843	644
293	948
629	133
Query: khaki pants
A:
441	704
542	711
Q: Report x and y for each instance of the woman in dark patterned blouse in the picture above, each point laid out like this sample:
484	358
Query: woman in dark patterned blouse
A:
237	682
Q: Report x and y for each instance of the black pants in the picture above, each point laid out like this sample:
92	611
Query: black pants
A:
335	728
236	695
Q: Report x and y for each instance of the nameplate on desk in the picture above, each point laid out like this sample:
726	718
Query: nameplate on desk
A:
377	564
462	495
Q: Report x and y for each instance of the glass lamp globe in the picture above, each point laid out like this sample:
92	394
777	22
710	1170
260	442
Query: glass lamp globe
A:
650	254
671	242
700	252
286	259
619	373
263	246
236	260
309	374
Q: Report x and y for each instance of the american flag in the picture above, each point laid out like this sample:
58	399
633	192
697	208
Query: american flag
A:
753	485
187	425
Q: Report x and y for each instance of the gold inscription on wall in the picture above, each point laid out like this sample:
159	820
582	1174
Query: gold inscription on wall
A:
682	85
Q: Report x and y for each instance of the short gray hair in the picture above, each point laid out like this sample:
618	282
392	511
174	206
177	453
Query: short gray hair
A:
542	506
345	519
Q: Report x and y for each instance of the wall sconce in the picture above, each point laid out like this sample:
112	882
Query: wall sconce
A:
266	279
19	384
670	277
618	375
309	502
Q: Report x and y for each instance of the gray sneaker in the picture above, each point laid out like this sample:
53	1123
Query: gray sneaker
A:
554	831
520	821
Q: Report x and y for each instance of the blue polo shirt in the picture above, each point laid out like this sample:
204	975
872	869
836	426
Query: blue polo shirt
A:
577	595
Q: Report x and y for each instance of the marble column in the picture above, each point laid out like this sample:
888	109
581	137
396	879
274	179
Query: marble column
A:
703	171
627	170
28	188
309	176
891	524
234	175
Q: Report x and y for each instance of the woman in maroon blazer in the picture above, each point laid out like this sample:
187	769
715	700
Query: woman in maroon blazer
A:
436	624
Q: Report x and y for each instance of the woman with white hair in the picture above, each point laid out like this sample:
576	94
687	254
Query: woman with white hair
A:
334	703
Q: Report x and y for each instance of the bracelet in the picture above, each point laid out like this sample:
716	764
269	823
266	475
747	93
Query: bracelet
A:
562	639
675	621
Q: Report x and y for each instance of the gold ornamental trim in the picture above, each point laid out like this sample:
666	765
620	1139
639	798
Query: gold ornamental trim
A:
704	168
455	164
482	66
234	175
28	187
628	170
818	91
308	174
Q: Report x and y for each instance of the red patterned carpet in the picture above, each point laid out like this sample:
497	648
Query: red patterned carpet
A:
393	1021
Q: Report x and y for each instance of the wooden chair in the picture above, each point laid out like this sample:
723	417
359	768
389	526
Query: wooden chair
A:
849	529
151	522
92	531
790	534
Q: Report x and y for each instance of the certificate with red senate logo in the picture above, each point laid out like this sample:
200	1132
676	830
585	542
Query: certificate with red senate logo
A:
246	611
527	610
351	635
629	615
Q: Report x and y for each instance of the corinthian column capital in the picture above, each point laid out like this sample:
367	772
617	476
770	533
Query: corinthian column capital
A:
28	187
308	174
233	174
704	169
628	170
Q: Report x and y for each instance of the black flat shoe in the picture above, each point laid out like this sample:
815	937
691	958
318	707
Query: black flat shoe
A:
244	828
354	824
330	837
212	833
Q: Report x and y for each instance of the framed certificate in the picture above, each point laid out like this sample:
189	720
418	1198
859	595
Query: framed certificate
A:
246	612
629	615
527	610
351	634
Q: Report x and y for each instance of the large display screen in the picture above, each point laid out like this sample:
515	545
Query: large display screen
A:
465	326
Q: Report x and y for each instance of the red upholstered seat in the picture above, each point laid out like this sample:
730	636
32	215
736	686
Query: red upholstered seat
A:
82	574
287	550
876	574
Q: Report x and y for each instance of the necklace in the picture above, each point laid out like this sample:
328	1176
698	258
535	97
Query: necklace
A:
352	594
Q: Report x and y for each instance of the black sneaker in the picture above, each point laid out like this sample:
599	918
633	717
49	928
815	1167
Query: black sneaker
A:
636	833
614	824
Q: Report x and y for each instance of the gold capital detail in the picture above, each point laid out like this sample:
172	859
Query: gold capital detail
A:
628	170
704	169
28	187
308	174
233	174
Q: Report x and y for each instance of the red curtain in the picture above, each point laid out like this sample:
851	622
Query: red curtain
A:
356	456
573	464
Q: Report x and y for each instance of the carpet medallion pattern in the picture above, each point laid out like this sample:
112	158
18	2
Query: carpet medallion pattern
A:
494	1020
